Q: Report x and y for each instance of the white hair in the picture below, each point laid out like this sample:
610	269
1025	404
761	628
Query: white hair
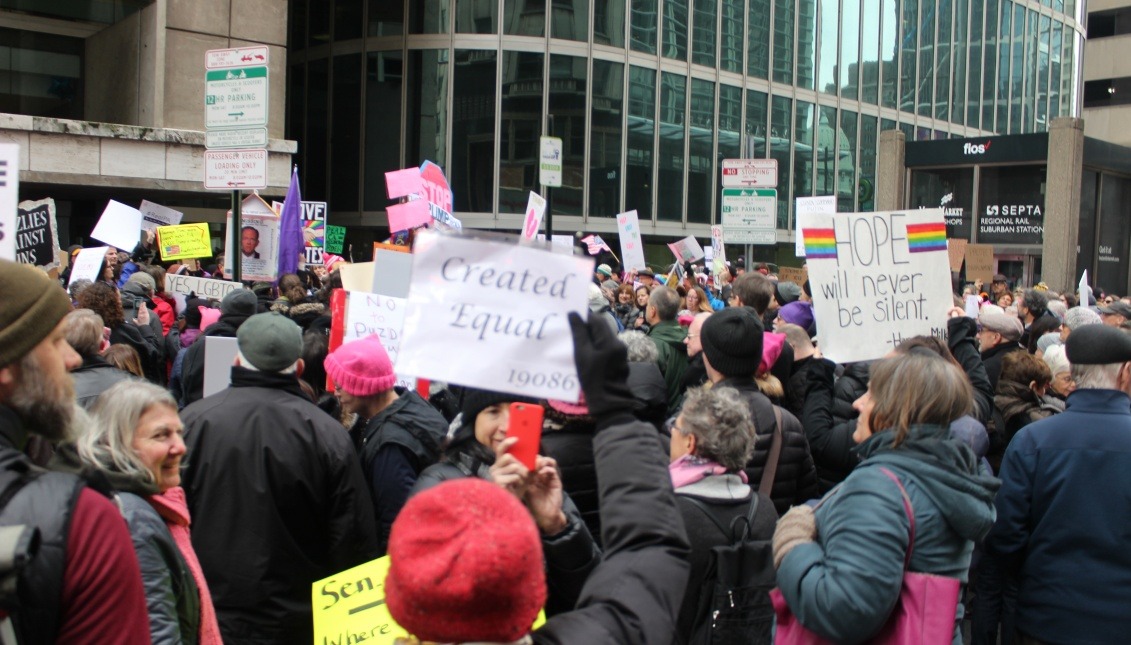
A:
245	362
1097	377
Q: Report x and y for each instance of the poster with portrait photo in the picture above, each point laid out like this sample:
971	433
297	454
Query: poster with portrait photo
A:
259	242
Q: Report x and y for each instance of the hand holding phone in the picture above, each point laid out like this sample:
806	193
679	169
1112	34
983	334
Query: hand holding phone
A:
526	425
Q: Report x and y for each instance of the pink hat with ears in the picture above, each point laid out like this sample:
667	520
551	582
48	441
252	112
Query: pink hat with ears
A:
570	409
361	368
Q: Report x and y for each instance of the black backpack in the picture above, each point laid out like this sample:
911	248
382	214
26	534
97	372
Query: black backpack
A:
734	602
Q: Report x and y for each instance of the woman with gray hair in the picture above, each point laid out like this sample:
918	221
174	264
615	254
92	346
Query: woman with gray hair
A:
137	443
711	442
645	379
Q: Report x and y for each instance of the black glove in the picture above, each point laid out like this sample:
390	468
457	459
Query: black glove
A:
602	366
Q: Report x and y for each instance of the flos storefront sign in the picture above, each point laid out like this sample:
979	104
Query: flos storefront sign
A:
493	315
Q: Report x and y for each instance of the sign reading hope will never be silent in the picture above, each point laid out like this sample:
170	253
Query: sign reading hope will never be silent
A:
492	315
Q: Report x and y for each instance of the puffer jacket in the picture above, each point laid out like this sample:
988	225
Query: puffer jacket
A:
171	594
1019	406
648	388
668	337
843	585
569	440
830	440
796	478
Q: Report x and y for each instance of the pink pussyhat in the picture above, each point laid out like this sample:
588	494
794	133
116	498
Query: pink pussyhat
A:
361	368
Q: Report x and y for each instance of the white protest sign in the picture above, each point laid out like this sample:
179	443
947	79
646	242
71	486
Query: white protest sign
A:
87	264
259	241
219	355
371	313
119	226
9	196
806	206
687	249
391	273
535	210
155	215
1084	292
202	287
559	243
718	249
877	279
631	244
489	314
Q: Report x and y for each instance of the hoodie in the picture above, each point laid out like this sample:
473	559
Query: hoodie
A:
843	586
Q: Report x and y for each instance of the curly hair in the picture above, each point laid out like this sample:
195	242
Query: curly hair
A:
103	299
720	421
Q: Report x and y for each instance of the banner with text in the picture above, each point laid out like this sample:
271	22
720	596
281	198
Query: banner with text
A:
372	313
877	278
631	243
489	314
37	234
184	241
687	249
805	206
718	250
202	287
335	238
155	215
87	264
313	231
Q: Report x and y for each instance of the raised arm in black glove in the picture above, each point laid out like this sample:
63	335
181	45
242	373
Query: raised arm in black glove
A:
602	366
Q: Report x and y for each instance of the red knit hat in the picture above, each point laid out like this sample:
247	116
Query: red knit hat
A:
465	565
361	368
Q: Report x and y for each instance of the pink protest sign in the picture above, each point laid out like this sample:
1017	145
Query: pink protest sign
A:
409	215
402	183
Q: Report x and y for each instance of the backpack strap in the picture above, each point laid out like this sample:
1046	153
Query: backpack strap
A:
910	514
771	469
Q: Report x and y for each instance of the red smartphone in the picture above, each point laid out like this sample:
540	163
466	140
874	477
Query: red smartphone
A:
526	424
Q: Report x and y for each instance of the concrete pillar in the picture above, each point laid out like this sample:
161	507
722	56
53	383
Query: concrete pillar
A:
1062	203
891	176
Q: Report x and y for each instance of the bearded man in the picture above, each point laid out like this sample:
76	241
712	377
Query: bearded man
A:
83	583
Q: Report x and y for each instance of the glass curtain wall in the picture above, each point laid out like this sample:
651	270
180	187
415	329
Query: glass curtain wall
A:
649	95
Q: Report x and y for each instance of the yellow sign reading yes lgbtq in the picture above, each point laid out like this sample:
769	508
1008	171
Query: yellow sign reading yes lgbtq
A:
349	607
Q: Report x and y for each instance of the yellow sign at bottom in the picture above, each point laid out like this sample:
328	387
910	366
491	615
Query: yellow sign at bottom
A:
349	607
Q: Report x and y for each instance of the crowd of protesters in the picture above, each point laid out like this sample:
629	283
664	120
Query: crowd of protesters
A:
999	457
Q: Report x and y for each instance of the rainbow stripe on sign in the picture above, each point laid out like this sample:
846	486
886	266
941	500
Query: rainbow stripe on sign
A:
820	243
924	238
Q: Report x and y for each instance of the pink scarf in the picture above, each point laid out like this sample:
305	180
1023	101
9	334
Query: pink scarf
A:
172	506
689	469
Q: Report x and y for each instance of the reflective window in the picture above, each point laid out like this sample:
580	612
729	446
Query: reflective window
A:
807	40
849	67
520	126
907	49
569	19
425	16
318	26
974	73
701	152
958	51
830	27
757	117
758	25
783	39
951	189
1028	106
605	131
733	27
1089	188
317	126
1002	98
869	142
924	82
296	24
827	151
1041	82
870	52
673	108
645	21
1070	45
1017	70
989	81
296	112
385	18
473	131
41	74
804	161
641	132
477	17
524	18
781	127
608	22
567	110
347	19
889	50
943	65
729	133
384	74
704	26
1055	70
675	29
846	163
427	114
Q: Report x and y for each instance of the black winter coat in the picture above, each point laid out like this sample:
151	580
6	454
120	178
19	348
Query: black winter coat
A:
192	365
960	339
830	439
571	445
648	387
94	377
991	360
798	387
796	479
278	501
634	594
851	385
150	348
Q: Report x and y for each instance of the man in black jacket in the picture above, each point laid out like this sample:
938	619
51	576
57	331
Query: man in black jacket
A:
83	331
997	335
275	491
397	434
235	308
732	349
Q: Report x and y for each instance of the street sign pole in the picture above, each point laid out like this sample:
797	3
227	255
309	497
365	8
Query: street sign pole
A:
549	172
234	243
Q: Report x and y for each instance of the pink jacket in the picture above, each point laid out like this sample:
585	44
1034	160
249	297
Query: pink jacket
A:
173	508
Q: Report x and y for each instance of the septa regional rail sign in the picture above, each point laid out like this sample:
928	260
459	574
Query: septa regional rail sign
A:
235	169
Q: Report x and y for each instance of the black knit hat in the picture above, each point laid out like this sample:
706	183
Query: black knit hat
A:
192	312
732	341
475	401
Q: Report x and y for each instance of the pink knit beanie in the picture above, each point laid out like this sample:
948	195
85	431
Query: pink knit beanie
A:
361	368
